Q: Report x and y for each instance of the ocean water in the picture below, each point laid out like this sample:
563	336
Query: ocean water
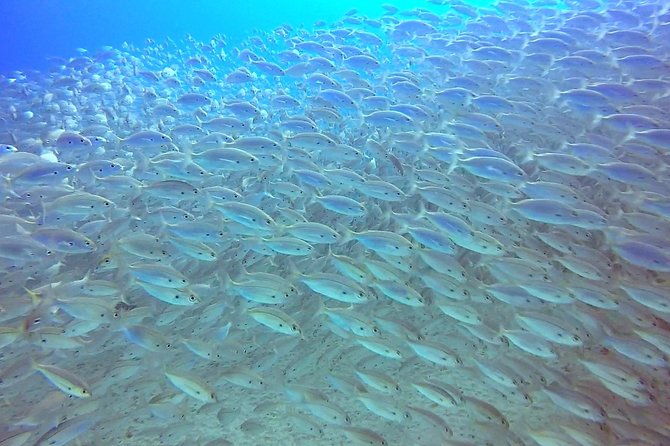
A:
33	30
335	223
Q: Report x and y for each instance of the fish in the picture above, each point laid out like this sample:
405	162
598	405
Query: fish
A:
276	320
378	381
384	408
382	242
400	293
67	430
436	393
191	386
158	275
145	138
170	295
347	319
435	224
335	287
64	380
364	436
327	412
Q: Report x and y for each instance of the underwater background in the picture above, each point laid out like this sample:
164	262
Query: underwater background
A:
33	30
414	223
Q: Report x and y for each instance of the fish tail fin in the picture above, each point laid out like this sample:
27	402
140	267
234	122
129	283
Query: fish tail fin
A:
43	210
41	300
186	147
34	365
452	166
224	279
222	332
346	234
21	230
35	297
421	213
321	309
633	198
116	142
163	232
630	134
597	120
122	275
413	182
410	171
292	270
318	264
9	186
199	118
500	334
264	181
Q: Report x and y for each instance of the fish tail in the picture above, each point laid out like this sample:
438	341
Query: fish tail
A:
224	279
452	166
346	234
293	272
117	143
9	186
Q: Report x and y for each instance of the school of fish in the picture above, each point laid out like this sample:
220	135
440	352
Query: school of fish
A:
442	226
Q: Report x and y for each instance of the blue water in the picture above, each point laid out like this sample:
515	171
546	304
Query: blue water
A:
32	30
